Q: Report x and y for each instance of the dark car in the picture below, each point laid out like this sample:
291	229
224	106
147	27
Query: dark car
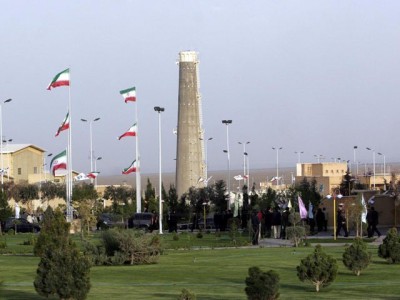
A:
140	220
109	220
20	225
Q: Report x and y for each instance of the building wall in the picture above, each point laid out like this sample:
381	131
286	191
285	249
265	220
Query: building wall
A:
189	155
25	162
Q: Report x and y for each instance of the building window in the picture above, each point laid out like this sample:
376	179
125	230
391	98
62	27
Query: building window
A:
326	171
35	170
19	171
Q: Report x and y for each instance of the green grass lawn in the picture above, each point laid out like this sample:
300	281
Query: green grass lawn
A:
211	274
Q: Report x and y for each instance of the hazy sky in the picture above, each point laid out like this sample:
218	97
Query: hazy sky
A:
313	76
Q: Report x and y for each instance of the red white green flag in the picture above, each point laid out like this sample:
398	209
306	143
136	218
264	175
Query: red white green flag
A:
130	132
61	79
129	94
58	164
64	125
93	175
132	168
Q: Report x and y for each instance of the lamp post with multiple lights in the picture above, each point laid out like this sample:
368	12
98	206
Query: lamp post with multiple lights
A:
1	139
384	169
91	140
159	110
277	163
299	153
244	161
227	123
336	193
373	161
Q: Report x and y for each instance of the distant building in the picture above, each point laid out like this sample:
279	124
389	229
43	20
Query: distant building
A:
328	175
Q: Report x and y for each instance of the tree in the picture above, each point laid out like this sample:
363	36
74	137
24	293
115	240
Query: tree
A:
262	285
25	193
62	270
219	197
309	192
347	183
5	209
319	268
390	248
50	191
297	232
356	257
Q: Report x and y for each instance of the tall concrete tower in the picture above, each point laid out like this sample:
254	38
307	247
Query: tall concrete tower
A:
190	165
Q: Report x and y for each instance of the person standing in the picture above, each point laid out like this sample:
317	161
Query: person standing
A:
326	218
276	223
268	222
285	222
255	225
341	222
372	220
320	219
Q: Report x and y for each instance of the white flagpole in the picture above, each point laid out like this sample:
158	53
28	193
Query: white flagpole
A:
69	156
138	181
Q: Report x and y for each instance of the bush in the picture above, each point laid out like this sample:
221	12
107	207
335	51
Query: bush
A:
296	234
125	247
3	244
30	242
319	268
186	295
356	257
262	285
175	237
199	235
390	248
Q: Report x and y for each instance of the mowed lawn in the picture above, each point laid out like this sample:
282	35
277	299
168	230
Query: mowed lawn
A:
211	274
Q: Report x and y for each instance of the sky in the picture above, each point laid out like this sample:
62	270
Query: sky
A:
317	77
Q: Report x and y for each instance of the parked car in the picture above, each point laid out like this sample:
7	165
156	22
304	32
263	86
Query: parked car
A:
140	220
109	220
21	225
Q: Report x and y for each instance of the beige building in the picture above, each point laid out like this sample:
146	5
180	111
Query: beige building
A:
22	163
328	175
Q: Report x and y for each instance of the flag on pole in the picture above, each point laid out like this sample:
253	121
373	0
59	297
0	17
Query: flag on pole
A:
64	125
129	94
302	209
61	79
93	175
130	132
131	168
238	177
58	164
364	210
81	176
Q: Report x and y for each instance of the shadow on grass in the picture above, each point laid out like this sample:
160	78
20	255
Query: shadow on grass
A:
20	295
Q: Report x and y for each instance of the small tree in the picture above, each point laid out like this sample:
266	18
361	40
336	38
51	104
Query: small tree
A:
390	248
5	209
62	269
262	285
356	257
319	268
186	295
296	233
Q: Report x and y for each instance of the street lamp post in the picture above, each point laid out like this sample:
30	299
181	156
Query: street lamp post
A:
337	194
277	163
373	161
91	141
354	159
8	160
384	170
299	153
1	140
159	110
95	169
227	122
204	214
244	161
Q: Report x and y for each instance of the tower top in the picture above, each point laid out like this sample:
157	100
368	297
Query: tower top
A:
188	56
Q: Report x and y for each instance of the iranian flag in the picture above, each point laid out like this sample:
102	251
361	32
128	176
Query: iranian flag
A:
132	168
61	79
58	164
129	94
93	175
64	125
130	132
